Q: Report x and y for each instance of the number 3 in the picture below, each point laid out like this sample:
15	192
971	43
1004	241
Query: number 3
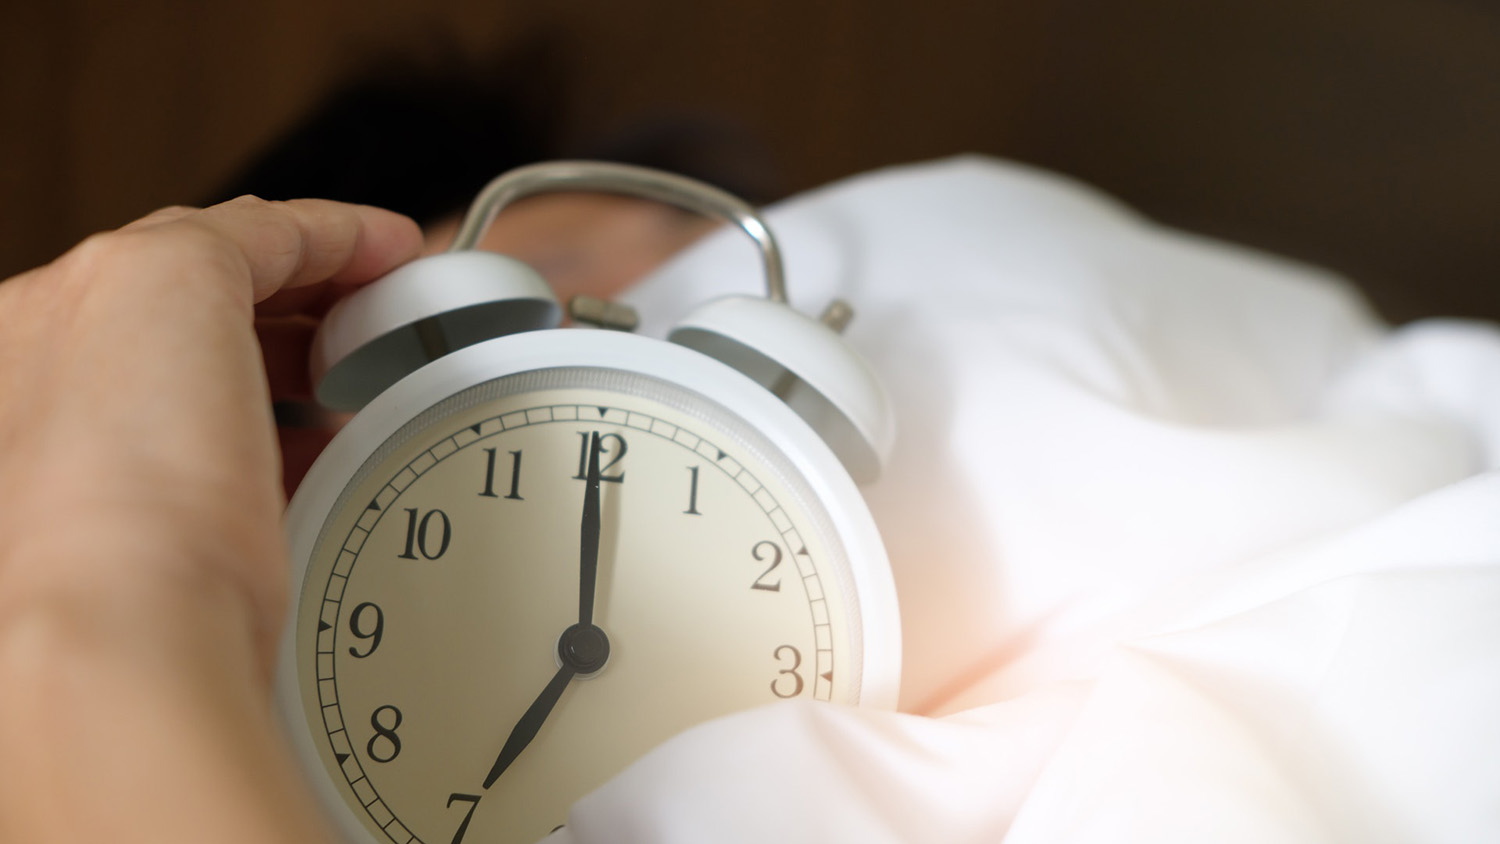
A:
796	678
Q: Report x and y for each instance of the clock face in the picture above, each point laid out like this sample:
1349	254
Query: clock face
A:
435	601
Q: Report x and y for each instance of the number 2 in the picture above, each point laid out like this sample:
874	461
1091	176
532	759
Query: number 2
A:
760	582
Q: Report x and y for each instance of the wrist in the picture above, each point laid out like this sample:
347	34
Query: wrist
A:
143	702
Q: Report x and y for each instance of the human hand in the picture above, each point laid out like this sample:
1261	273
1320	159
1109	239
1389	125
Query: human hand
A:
142	573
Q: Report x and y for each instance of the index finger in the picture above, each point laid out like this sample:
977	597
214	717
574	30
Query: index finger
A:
302	241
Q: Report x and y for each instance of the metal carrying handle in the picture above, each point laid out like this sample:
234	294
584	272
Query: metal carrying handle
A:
629	180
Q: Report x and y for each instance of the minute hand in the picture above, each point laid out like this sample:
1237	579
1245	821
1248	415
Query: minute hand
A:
588	555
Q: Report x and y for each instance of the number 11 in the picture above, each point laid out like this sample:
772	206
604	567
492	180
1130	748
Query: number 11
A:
515	476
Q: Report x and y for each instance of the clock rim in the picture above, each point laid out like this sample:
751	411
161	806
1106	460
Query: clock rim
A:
878	626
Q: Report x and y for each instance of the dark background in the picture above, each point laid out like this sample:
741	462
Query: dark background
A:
1358	134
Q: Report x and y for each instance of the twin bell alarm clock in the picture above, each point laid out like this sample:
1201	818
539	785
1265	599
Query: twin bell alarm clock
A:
536	552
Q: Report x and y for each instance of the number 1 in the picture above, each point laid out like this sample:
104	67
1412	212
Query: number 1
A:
692	509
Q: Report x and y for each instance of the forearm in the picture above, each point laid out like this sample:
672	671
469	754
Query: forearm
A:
132	712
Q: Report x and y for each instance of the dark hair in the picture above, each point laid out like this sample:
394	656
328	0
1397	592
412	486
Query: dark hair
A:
424	140
420	143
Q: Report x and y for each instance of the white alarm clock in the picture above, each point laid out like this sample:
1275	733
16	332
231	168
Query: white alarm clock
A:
535	553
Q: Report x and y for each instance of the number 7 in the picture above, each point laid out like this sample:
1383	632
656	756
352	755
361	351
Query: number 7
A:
473	801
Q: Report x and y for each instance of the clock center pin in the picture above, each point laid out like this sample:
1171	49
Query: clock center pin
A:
584	648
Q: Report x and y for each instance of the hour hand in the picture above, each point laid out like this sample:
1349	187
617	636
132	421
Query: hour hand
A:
526	728
581	650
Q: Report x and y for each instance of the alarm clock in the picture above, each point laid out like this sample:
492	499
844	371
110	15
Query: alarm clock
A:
535	553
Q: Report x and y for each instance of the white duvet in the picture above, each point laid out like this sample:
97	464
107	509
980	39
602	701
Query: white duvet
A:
1189	546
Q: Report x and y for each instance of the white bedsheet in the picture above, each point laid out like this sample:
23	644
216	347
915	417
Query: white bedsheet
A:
1189	546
